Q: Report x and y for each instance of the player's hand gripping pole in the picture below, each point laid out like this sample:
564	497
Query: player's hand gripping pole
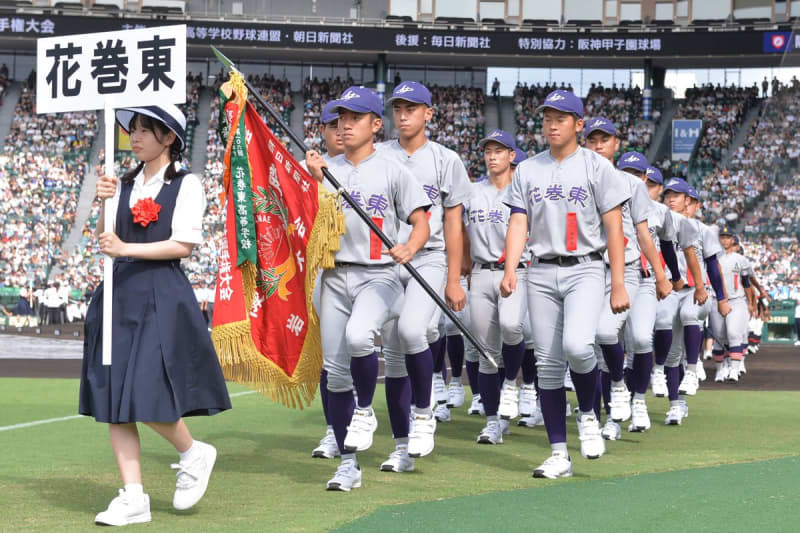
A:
358	209
108	261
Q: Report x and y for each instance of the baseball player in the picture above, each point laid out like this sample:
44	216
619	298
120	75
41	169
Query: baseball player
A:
568	200
329	130
410	340
357	295
496	322
730	332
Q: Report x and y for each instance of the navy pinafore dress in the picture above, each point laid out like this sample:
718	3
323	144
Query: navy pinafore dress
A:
164	365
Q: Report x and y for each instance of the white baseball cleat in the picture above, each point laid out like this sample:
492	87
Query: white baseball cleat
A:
420	439
674	416
492	433
398	461
455	393
347	476
592	444
476	407
640	419
733	376
527	400
360	431
505	427
620	403
569	409
327	449
689	384
701	371
532	421
439	388
124	510
742	369
441	413
556	466
722	373
568	381
611	430
658	382
509	401
193	477
684	408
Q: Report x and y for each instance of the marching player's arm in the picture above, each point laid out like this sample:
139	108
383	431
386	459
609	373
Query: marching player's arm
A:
420	231
411	204
454	246
612	222
516	237
466	254
693	265
315	163
718	284
671	259
663	285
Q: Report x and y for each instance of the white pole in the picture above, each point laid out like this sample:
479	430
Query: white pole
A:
108	262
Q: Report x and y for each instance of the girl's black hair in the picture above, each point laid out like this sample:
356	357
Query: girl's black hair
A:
160	130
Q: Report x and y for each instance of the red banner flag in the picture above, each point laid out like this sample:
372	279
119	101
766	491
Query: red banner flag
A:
280	228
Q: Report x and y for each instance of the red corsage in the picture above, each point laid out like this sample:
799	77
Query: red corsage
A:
145	211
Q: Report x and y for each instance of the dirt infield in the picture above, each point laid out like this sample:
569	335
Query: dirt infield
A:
775	367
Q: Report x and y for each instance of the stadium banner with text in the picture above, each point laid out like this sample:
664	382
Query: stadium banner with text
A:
516	42
685	134
133	68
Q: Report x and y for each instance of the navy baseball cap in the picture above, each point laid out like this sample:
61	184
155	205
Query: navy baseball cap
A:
600	124
677	185
519	157
563	100
693	193
654	175
725	230
329	113
633	160
411	91
359	100
499	136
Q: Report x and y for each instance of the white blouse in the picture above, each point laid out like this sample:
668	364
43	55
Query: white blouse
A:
190	205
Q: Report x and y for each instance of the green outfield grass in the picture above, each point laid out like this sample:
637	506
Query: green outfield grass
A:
57	476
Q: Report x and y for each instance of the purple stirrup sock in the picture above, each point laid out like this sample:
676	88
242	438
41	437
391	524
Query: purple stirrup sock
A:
420	371
598	396
490	394
340	405
662	341
673	381
529	373
554	404
365	377
323	395
605	386
585	386
642	366
398	403
628	376
614	356
512	359
455	351
693	338
472	377
438	351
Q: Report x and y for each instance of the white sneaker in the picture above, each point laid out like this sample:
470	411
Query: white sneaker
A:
420	439
568	381
509	401
327	449
359	432
689	384
439	389
442	413
505	427
193	477
640	419
455	393
674	416
684	408
701	372
527	400
476	407
742	369
124	510
722	373
398	461
733	376
569	409
347	476
658	381
611	430
556	466
620	403
532	421
492	433
592	444
707	356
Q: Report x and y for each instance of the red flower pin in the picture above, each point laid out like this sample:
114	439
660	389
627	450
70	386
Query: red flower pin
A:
145	211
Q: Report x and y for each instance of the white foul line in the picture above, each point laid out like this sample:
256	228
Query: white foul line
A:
73	417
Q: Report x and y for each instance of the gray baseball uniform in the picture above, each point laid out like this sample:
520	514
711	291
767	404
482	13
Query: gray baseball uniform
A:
356	297
731	330
564	202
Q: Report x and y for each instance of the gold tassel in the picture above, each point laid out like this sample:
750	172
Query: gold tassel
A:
323	243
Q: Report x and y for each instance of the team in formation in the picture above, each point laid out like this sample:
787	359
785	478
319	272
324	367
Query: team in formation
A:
566	269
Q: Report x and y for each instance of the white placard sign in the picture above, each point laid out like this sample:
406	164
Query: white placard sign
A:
132	67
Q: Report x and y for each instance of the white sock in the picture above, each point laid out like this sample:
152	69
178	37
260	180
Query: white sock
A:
493	418
581	414
349	457
674	403
691	368
328	429
638	396
134	490
510	382
658	367
559	448
616	384
190	453
401	443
